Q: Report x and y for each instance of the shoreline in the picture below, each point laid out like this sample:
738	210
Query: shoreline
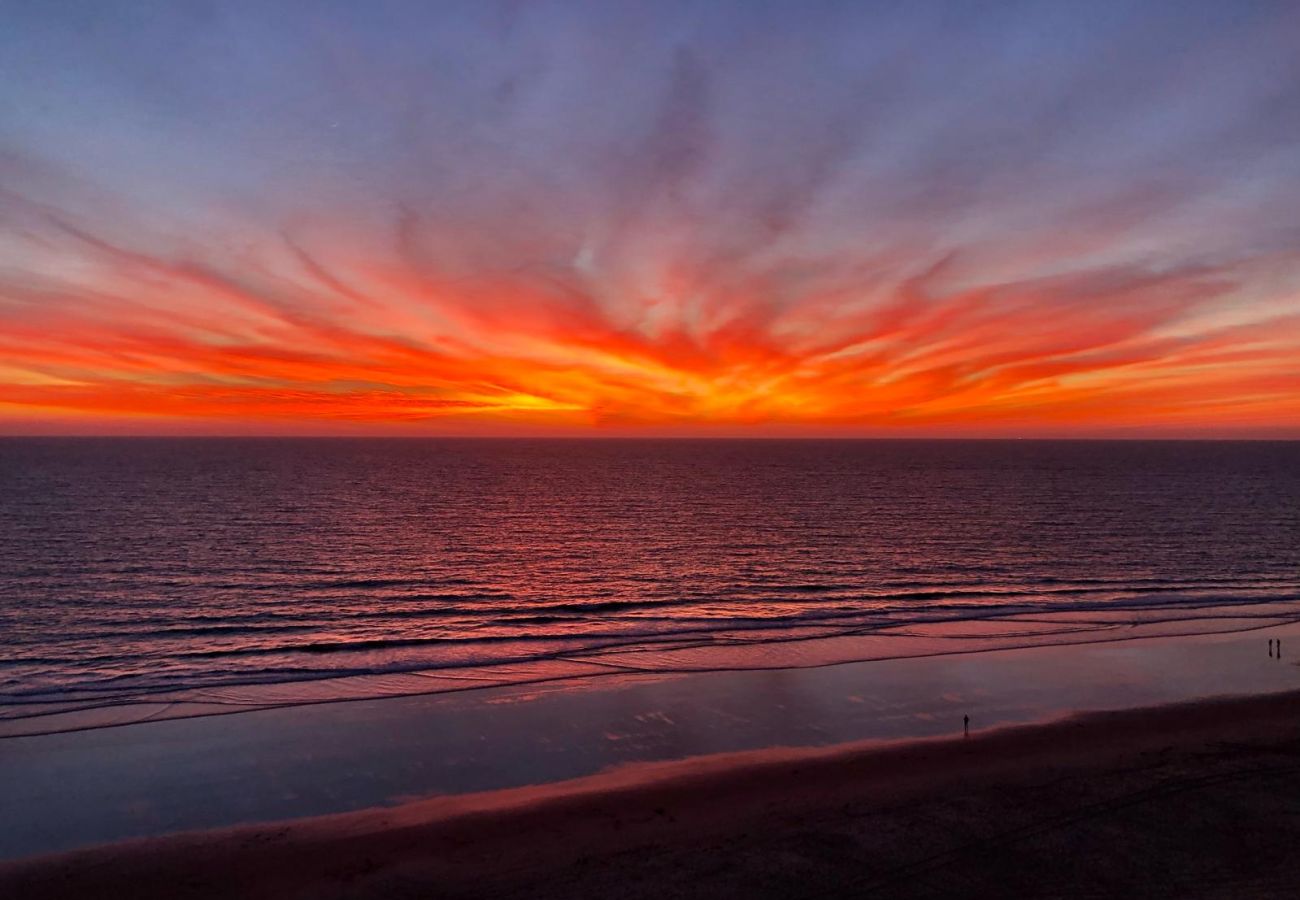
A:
543	835
172	775
82	714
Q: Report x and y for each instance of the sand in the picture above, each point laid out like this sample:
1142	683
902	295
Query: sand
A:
1195	799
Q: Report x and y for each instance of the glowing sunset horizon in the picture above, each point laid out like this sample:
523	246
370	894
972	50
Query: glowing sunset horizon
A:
603	219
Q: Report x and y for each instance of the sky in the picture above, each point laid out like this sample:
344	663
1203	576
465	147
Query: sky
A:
714	218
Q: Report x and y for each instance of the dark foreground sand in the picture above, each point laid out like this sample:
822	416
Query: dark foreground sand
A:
1198	800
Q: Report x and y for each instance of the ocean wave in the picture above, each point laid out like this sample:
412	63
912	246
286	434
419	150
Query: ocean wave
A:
736	603
382	655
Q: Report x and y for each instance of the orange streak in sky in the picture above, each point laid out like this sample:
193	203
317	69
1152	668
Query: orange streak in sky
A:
388	346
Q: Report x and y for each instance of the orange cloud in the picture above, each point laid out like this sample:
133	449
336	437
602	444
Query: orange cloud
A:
292	344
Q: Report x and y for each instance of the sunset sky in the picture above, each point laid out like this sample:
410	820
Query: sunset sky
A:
766	218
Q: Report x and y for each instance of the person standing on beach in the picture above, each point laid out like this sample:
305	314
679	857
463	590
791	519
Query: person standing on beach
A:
965	725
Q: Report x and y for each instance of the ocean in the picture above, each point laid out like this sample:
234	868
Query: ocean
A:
151	578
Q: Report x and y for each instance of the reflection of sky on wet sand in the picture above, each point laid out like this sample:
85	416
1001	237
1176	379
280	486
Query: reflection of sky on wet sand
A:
93	786
715	650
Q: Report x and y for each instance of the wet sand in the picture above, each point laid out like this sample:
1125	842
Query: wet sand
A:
1199	799
147	780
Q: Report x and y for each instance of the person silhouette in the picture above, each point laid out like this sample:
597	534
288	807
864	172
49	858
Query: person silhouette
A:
965	725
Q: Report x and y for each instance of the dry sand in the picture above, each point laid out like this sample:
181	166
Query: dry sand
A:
1194	800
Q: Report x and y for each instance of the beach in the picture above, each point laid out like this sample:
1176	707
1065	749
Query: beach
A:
98	785
1193	799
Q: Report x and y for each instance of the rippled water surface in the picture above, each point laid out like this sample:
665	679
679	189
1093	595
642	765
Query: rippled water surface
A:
133	568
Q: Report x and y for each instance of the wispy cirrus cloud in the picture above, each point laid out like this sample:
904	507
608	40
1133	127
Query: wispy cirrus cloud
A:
568	217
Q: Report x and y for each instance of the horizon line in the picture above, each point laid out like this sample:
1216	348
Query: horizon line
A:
1217	439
